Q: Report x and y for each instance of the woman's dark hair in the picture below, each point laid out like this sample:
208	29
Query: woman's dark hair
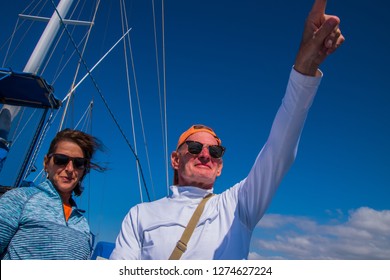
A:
88	144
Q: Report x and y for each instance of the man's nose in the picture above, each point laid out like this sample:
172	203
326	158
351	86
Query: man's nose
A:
205	152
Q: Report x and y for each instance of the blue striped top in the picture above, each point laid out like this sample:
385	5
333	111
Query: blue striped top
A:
33	226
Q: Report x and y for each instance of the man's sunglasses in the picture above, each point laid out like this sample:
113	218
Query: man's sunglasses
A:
63	160
195	148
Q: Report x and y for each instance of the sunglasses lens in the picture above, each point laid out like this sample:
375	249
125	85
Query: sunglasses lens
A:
194	147
60	159
63	160
79	163
216	151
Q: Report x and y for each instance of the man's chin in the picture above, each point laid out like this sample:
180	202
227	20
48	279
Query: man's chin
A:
205	183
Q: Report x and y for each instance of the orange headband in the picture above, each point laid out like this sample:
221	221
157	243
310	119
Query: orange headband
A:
194	129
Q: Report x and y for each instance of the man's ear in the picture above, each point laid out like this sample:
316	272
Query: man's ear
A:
220	166
175	160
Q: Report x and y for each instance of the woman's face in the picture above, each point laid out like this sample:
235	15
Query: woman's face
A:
64	177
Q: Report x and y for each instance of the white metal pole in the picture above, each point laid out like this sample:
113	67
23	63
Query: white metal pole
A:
47	37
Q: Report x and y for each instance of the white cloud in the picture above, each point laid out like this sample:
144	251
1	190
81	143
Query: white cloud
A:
365	234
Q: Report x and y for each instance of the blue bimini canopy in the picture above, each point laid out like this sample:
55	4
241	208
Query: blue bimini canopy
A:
26	89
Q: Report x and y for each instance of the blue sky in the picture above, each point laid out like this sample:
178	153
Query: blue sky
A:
227	65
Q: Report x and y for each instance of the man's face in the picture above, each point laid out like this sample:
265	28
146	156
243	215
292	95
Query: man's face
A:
198	170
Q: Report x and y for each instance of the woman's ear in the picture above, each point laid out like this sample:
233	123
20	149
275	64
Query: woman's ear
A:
45	163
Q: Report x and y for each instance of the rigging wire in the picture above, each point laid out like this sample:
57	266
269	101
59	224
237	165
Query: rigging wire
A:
20	115
104	101
24	126
93	68
60	71
124	18
84	116
39	142
165	92
163	131
10	43
79	64
25	33
55	47
89	178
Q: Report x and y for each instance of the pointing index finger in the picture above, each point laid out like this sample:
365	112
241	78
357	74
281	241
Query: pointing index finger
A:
319	7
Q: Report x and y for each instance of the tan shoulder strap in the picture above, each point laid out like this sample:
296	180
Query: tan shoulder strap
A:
181	245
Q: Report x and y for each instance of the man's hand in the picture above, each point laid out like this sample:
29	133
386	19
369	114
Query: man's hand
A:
321	37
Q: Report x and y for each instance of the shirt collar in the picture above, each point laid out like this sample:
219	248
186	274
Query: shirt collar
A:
189	192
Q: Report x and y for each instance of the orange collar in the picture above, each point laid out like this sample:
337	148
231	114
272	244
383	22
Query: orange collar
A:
67	210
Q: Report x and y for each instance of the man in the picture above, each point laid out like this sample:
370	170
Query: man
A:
152	230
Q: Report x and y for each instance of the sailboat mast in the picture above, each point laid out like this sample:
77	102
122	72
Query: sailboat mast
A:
47	37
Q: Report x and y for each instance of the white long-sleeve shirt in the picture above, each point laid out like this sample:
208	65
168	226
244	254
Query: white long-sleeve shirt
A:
151	230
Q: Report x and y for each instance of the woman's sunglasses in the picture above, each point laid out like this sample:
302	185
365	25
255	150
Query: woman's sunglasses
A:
195	148
63	160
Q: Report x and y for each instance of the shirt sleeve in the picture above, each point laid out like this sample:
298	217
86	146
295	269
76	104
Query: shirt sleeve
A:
277	155
127	245
11	207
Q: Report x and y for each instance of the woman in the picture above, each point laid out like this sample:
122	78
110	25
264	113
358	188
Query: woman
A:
43	222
